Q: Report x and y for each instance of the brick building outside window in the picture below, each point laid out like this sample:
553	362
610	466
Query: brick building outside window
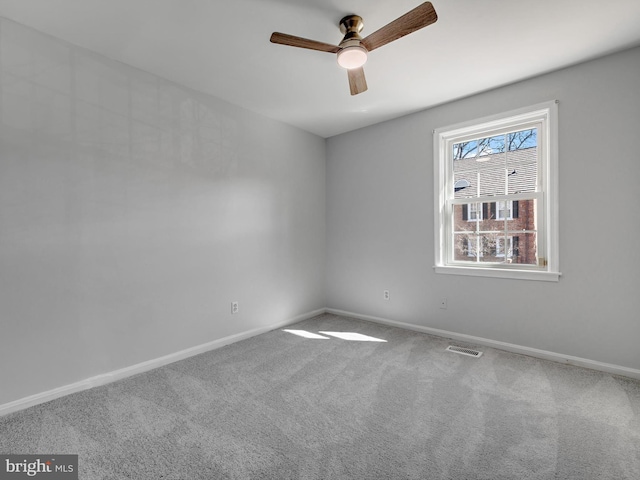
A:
500	231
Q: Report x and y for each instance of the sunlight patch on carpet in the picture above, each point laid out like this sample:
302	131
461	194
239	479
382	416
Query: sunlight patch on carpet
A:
305	334
353	336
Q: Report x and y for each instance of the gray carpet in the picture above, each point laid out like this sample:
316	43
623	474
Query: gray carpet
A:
281	406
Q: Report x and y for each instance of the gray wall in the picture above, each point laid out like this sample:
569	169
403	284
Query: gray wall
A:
133	211
380	221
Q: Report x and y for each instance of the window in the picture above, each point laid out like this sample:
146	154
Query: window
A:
501	250
472	248
473	213
505	210
496	196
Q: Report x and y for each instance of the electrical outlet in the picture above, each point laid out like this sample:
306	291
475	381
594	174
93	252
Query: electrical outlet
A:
386	295
234	307
443	303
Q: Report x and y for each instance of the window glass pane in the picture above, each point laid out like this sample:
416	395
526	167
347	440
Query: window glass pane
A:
465	184
522	139
524	215
464	217
495	145
504	210
492	174
503	246
481	237
489	221
490	241
481	164
485	247
466	248
498	165
524	248
480	147
475	217
465	150
522	170
516	215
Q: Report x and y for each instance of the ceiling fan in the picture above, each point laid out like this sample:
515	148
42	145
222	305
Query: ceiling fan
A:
353	49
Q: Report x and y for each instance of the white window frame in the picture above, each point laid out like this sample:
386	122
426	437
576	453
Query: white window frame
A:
477	212
507	250
544	117
508	204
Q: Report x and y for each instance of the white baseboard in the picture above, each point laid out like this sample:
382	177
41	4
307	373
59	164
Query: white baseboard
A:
110	377
509	347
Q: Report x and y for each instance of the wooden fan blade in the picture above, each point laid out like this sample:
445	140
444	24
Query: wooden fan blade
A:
357	82
284	39
420	17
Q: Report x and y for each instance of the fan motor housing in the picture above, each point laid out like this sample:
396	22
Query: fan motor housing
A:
351	26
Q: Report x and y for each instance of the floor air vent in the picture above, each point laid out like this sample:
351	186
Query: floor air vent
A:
464	351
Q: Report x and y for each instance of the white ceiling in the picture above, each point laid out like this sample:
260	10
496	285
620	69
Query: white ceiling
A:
222	47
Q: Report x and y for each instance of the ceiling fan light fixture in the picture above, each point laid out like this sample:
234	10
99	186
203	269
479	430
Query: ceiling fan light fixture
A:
353	56
353	50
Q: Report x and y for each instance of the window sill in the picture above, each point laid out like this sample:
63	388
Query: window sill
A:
538	275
